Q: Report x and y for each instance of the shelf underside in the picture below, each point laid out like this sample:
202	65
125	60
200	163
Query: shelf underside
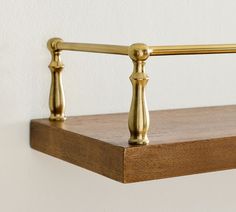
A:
182	142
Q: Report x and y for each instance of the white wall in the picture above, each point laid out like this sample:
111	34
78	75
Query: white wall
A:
34	182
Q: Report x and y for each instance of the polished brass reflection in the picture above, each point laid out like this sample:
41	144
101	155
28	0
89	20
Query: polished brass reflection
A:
138	120
56	97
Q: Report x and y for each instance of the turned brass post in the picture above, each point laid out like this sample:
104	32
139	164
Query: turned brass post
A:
138	120
56	98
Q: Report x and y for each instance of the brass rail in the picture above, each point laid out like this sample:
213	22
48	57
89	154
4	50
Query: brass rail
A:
193	49
138	120
96	48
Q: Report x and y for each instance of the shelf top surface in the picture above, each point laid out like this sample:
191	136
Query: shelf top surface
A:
166	126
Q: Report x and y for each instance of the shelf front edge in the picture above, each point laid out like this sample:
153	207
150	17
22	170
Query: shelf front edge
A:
102	158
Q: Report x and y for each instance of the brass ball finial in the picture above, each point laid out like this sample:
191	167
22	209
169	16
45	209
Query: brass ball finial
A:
139	52
51	44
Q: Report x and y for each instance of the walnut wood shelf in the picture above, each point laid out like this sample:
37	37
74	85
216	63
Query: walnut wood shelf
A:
182	142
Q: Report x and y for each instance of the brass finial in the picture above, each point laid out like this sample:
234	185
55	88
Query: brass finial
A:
139	52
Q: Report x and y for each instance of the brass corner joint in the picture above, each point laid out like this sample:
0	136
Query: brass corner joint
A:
138	120
56	97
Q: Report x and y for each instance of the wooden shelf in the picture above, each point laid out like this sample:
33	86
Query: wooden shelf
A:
182	142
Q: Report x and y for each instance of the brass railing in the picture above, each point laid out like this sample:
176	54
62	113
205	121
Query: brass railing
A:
138	120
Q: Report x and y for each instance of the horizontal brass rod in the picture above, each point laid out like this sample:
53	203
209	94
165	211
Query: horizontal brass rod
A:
96	48
192	49
154	50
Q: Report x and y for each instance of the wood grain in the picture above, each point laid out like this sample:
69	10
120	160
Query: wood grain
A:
182	142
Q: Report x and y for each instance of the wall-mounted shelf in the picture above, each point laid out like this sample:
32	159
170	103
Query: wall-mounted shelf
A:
182	142
179	142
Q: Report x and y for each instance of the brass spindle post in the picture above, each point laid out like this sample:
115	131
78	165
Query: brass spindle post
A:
138	120
56	98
